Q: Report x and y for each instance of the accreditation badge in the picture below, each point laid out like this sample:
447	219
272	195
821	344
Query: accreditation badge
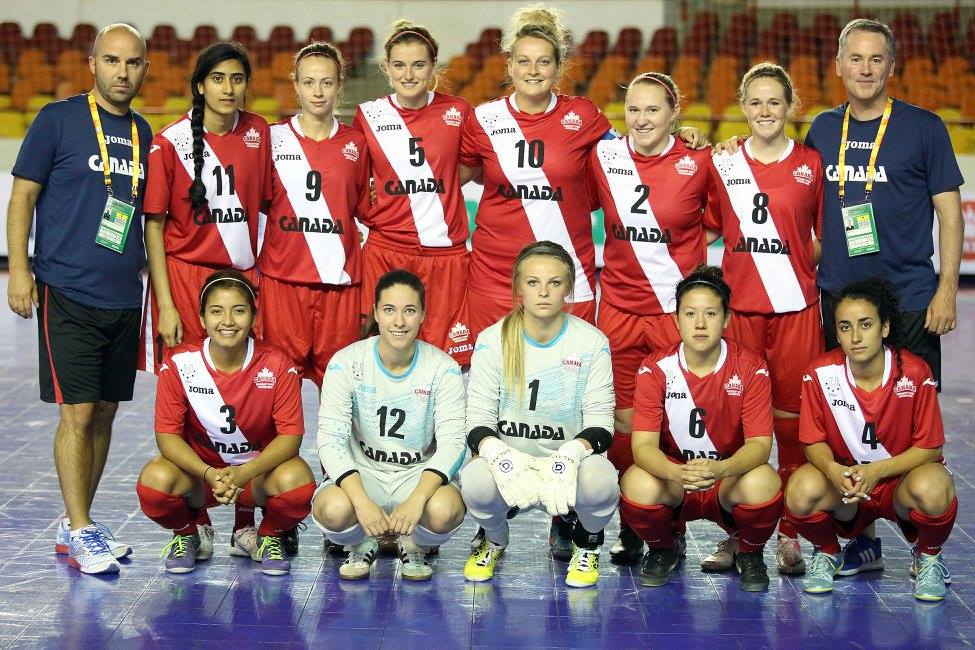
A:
860	229
114	227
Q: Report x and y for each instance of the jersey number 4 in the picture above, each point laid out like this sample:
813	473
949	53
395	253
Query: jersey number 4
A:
398	416
869	436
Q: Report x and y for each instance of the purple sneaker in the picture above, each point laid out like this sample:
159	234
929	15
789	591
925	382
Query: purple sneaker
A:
270	553
180	553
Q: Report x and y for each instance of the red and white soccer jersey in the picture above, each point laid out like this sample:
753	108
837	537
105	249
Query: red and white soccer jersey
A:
536	187
228	419
766	214
414	156
237	176
703	417
653	213
319	188
861	426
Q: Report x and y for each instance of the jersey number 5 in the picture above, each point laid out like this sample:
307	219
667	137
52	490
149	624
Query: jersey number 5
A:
400	417
417	155
231	414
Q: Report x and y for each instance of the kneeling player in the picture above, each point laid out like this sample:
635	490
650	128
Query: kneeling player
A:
873	430
391	437
540	416
702	434
229	427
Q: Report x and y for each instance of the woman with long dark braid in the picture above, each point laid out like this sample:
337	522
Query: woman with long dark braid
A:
209	175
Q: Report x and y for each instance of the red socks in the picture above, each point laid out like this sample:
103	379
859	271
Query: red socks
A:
652	524
243	516
933	530
818	529
791	456
283	511
756	523
168	510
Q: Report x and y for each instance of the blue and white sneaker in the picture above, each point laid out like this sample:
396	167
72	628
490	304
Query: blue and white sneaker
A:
89	553
820	573
914	565
932	577
861	554
63	539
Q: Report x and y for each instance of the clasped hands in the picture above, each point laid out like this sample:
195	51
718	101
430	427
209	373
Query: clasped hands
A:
227	483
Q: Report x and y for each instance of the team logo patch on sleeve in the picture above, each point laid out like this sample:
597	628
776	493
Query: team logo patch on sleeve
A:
686	166
351	152
803	175
734	386
252	138
265	378
452	117
905	387
571	121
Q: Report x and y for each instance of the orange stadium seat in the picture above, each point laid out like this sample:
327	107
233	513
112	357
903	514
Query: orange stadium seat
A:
320	33
246	35
282	39
664	43
629	42
203	36
650	63
82	37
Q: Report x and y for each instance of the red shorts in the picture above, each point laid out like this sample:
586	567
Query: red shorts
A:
310	322
631	339
481	312
788	342
185	283
880	506
443	272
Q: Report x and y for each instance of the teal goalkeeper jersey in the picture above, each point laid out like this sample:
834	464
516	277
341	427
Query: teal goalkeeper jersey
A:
568	387
371	419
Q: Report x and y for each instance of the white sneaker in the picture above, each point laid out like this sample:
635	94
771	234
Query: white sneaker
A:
359	561
88	552
788	557
414	560
63	539
723	557
205	550
244	542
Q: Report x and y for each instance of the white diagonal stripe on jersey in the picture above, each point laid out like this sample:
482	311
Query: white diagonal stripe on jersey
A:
544	217
658	266
206	407
778	276
679	410
427	207
326	248
835	386
235	236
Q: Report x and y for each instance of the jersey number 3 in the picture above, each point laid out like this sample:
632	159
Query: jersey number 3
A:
231	413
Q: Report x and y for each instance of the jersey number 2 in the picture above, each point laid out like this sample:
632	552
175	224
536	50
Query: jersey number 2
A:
398	414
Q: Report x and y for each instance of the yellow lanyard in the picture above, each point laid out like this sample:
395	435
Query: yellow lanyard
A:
884	120
103	148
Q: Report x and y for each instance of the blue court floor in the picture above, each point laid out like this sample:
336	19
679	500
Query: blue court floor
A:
45	603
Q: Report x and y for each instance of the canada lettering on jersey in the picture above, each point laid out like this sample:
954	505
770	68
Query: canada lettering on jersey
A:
220	215
535	192
233	447
311	224
123	167
642	234
530	431
855	173
690	454
762	245
396	457
402	187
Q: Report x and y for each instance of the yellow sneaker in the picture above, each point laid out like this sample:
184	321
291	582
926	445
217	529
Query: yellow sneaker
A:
583	567
480	565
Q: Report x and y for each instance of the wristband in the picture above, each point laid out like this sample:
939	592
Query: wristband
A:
477	434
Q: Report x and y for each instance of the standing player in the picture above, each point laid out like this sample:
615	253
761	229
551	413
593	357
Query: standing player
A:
871	420
768	204
702	437
391	437
229	427
532	147
653	189
539	412
209	177
310	259
419	221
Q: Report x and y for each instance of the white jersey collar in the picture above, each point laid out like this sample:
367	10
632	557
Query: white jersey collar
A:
514	105
209	359
789	146
721	358
392	98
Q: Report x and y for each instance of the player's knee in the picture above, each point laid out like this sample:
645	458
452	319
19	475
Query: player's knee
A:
444	515
333	510
477	486
288	475
806	488
597	482
641	487
931	488
759	484
159	474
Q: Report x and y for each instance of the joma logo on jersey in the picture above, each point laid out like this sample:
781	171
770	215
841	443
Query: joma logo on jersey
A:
675	395
310	224
620	171
395	457
202	390
642	234
737	181
415	186
530	431
189	156
287	156
762	245
389	127
503	131
857	144
843	403
220	215
457	349
536	192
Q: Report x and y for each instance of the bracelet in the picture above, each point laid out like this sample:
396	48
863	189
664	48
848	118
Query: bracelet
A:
205	472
